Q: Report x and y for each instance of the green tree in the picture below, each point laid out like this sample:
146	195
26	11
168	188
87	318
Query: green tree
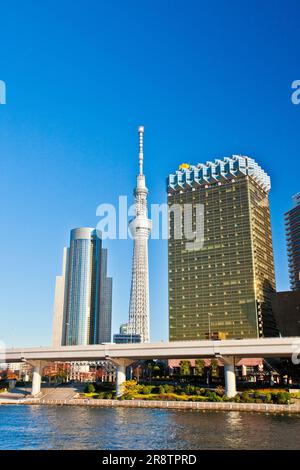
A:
190	390
62	375
199	367
130	388
156	371
90	388
214	368
151	368
185	367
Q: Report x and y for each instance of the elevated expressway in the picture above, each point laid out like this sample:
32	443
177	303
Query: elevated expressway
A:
122	355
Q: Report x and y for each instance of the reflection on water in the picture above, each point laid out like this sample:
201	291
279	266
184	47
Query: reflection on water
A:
44	427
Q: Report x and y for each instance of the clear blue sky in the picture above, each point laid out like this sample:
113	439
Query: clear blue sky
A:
206	79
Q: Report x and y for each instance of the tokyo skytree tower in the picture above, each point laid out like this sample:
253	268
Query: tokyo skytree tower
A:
140	228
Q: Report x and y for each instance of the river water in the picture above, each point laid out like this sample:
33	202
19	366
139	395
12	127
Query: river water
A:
46	427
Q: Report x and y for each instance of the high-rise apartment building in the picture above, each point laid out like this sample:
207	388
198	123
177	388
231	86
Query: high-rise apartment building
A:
286	309
292	227
104	319
58	338
83	294
220	286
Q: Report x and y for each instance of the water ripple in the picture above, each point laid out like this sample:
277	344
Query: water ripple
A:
45	427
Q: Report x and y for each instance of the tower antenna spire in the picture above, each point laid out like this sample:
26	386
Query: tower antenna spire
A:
141	154
140	229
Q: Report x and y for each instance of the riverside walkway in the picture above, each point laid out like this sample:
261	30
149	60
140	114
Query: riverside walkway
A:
174	405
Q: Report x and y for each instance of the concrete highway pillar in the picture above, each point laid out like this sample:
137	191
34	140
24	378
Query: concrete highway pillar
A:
36	379
230	378
120	379
121	365
36	376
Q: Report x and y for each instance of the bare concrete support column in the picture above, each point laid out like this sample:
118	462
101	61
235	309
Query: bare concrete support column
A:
120	379
36	380
121	365
36	376
230	378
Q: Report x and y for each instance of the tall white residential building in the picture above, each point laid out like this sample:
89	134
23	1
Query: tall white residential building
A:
140	228
83	294
59	300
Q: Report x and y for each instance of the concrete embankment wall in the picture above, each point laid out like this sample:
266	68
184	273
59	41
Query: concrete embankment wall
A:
182	405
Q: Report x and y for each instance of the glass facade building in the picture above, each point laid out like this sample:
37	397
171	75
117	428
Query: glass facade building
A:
221	287
286	308
103	325
292	227
84	301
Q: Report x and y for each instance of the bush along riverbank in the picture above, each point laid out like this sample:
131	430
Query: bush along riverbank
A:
134	391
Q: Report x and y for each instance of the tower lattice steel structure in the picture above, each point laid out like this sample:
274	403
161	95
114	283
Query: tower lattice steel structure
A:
140	228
